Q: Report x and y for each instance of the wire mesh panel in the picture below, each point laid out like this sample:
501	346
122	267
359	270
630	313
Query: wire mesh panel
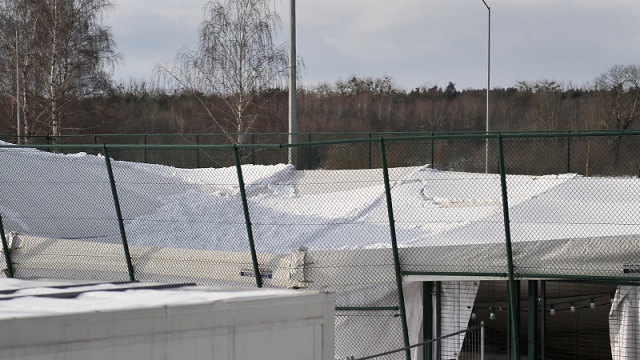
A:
447	221
371	333
69	221
565	224
184	223
313	212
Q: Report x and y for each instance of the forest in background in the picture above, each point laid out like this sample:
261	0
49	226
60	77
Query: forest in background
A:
356	105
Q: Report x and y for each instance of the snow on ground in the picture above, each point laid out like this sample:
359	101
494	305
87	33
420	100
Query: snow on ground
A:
68	196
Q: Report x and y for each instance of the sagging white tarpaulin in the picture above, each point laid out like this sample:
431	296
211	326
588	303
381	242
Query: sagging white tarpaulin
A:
624	323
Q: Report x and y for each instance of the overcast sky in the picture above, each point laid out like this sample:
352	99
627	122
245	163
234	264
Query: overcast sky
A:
417	42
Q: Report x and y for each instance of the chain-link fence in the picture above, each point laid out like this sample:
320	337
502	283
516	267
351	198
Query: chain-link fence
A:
417	235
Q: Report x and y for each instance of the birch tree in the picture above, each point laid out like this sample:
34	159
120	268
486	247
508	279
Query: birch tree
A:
65	54
236	62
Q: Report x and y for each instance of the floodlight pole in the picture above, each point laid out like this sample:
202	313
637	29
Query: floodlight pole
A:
293	121
486	146
19	131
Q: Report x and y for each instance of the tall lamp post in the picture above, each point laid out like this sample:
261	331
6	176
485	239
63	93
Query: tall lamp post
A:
18	125
486	146
293	121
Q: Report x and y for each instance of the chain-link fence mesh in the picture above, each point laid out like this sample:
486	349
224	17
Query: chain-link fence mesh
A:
44	198
547	206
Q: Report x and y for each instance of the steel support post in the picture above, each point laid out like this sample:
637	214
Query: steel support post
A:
513	326
116	202
394	245
532	319
247	218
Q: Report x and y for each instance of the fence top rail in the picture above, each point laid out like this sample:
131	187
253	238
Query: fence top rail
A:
362	133
335	133
457	136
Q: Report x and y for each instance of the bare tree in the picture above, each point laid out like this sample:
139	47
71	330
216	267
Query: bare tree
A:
235	64
621	84
65	54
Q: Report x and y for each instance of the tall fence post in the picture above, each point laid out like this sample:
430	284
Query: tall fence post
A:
543	318
513	316
569	151
394	245
370	155
5	250
198	151
245	209
145	148
433	150
253	149
116	201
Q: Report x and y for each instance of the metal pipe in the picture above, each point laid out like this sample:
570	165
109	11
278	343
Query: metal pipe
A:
19	132
543	318
293	116
245	209
481	340
394	246
123	235
532	320
488	84
507	229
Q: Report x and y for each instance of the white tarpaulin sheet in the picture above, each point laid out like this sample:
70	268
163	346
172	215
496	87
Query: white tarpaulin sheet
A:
178	218
624	323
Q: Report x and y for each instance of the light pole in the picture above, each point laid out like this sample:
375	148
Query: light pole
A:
293	121
18	127
486	145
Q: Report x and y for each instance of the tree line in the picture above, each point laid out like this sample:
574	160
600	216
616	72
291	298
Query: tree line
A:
56	58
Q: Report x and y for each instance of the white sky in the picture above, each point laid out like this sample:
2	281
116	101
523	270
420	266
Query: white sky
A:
417	42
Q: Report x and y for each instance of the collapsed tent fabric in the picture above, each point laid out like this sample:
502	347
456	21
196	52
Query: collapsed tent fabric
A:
624	323
320	229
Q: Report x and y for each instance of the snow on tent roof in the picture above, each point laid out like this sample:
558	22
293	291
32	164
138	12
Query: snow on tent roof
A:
443	207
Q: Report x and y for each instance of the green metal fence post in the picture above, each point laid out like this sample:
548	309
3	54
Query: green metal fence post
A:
123	235
253	149
5	250
145	149
394	245
198	151
433	150
245	208
569	152
438	319
532	319
543	318
514	331
427	319
370	152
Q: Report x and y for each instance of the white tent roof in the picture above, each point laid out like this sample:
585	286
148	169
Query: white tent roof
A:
329	228
165	206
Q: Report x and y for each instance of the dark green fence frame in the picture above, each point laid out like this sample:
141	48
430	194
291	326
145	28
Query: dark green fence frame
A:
367	138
